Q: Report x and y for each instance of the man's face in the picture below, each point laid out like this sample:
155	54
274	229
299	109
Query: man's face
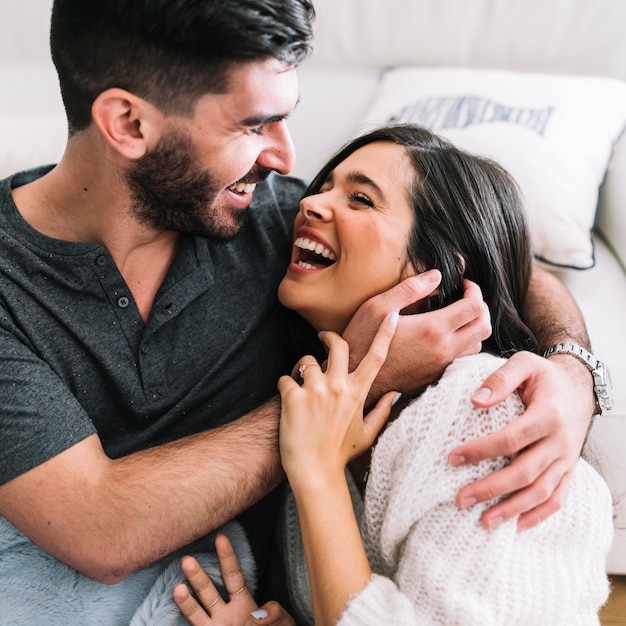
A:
201	175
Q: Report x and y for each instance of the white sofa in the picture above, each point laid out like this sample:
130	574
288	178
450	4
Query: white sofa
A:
356	40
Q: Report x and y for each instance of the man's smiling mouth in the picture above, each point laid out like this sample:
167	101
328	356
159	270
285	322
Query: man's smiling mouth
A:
242	188
313	255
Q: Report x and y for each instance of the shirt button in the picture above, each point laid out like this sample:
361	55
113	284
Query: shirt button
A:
123	302
101	260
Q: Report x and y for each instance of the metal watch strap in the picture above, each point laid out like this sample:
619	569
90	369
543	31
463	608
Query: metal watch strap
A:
578	351
599	372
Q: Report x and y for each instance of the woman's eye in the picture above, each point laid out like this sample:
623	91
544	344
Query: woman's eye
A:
361	199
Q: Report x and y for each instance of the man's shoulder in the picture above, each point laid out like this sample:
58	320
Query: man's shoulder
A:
18	180
26	176
282	192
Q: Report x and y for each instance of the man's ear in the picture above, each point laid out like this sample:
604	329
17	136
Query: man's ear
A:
129	124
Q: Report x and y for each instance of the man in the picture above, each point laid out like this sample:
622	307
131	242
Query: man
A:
140	336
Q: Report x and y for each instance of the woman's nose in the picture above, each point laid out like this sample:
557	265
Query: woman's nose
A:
316	207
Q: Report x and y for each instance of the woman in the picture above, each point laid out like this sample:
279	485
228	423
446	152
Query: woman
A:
396	202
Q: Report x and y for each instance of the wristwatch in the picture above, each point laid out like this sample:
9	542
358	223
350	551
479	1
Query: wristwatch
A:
601	377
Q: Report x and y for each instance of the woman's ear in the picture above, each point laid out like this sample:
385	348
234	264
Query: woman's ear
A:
461	263
129	124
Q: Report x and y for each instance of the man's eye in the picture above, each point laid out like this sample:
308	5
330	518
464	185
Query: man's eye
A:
257	130
361	199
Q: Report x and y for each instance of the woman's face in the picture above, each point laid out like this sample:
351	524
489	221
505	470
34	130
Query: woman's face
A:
350	239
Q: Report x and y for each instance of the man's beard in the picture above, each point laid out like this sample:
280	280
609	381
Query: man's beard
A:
170	191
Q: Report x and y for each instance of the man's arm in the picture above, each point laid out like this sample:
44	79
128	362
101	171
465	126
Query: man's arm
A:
108	518
552	313
558	394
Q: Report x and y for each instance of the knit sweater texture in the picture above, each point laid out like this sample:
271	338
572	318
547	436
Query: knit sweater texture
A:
434	563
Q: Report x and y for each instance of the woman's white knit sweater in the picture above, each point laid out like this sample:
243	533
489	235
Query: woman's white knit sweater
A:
435	564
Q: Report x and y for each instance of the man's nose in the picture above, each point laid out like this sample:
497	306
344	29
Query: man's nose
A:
279	154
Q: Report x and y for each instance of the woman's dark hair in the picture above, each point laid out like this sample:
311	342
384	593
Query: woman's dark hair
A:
469	222
168	52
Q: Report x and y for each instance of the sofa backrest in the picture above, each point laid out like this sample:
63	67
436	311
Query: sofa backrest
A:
561	36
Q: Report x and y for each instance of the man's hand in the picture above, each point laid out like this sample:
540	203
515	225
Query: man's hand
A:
425	343
548	436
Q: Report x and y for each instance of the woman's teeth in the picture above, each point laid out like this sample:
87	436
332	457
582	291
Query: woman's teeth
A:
242	187
317	248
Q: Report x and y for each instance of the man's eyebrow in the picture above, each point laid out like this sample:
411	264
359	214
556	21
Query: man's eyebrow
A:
260	120
358	178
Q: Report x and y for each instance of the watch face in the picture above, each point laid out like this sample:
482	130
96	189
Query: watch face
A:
603	387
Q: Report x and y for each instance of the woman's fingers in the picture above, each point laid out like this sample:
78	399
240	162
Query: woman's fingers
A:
339	352
194	612
369	367
189	606
271	614
231	569
374	421
337	365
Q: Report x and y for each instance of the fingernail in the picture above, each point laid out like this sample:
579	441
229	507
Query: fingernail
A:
456	459
467	502
495	522
482	394
259	614
393	318
397	397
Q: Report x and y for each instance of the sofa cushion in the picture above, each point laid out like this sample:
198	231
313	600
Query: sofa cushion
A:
555	135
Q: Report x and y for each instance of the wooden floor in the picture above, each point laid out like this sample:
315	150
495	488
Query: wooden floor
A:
614	611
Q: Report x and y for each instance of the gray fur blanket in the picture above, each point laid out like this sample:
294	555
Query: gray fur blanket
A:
36	588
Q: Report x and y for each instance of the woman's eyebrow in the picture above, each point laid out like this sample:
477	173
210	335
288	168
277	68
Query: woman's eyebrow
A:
358	178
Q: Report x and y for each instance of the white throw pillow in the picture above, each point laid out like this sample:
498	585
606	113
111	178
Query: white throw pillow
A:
554	134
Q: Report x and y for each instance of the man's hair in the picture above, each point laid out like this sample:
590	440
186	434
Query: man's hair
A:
169	52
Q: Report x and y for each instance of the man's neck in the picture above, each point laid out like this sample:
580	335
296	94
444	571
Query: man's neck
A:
89	203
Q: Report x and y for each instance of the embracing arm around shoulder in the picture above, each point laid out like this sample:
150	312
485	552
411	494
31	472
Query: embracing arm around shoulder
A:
558	392
110	517
559	399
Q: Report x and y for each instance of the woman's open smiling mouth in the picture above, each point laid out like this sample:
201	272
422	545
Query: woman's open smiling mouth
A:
313	255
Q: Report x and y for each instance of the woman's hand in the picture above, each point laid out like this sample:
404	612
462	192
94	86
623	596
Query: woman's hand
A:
322	425
240	610
548	436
